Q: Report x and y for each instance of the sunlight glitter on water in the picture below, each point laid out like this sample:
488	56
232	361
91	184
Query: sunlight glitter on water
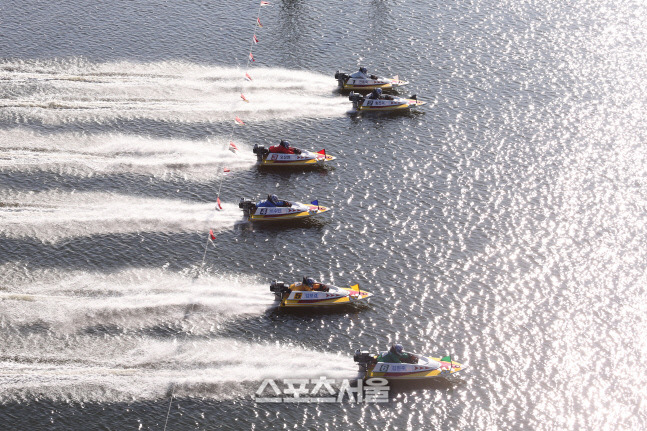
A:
504	224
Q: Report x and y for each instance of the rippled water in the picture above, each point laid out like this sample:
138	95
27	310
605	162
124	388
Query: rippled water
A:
504	223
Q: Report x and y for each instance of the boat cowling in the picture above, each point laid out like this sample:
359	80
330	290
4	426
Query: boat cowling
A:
247	206
279	287
356	98
341	77
363	357
260	152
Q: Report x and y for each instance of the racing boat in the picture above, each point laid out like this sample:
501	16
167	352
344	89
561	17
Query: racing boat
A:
281	160
347	82
419	367
292	296
283	210
384	103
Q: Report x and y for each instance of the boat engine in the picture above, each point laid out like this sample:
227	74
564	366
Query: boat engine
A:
341	77
363	357
364	360
260	152
247	206
279	287
357	99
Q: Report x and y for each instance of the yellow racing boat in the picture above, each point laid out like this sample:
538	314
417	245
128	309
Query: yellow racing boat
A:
273	209
416	368
300	295
383	103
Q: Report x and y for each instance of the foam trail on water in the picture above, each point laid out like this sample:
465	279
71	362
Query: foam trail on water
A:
83	369
58	337
126	301
53	215
80	154
57	92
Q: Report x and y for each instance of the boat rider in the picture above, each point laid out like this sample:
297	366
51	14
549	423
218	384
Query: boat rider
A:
274	201
396	355
309	284
375	94
284	147
361	74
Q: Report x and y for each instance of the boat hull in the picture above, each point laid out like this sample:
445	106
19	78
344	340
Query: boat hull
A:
388	105
273	214
279	160
423	370
308	299
356	84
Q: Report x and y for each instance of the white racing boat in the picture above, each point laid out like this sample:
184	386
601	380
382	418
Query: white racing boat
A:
370	82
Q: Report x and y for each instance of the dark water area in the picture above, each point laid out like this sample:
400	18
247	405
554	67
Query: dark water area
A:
502	223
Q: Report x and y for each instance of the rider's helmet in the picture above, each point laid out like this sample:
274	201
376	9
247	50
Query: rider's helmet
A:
378	91
309	281
285	144
274	199
398	349
363	70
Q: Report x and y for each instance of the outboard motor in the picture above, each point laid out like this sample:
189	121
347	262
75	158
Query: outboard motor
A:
260	152
247	206
364	360
341	77
356	98
279	288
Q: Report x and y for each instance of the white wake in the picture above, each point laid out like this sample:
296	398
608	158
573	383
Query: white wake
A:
56	92
129	300
84	336
53	215
84	369
84	155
